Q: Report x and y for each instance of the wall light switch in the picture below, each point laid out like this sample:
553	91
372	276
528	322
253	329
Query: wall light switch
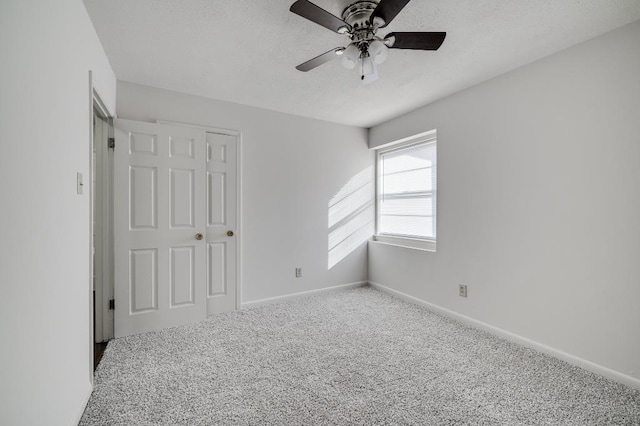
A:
80	184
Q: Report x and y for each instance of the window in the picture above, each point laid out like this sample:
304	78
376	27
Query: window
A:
407	192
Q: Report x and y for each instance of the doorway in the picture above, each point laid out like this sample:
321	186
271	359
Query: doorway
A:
102	240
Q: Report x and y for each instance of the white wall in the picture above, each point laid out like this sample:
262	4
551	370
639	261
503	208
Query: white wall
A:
291	169
47	49
538	203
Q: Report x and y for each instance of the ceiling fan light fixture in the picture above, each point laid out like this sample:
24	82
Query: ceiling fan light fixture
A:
369	70
378	51
350	56
368	67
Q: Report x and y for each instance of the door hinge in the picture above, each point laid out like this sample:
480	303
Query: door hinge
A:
112	304
112	143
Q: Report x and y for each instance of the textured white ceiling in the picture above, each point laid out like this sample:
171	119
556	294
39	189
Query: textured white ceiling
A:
245	51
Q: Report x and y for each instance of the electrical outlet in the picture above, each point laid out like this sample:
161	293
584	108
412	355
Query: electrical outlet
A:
462	290
298	272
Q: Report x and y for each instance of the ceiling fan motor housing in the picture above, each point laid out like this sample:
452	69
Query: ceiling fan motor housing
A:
358	14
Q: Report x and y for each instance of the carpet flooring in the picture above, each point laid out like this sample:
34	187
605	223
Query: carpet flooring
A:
354	357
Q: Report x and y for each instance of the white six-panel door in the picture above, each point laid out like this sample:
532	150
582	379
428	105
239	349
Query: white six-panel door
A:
160	208
222	154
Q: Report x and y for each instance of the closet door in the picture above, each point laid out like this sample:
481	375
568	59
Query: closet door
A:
160	226
222	253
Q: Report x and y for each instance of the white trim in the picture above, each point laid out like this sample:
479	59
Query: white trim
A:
512	337
271	300
103	285
83	406
425	138
220	130
92	97
98	274
104	247
414	141
410	243
239	220
99	105
420	137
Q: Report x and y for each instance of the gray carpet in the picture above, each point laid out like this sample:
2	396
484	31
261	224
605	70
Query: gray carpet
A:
351	357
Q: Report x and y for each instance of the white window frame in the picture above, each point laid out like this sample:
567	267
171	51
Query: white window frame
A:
427	244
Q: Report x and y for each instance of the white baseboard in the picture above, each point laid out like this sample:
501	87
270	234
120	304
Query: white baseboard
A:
571	359
83	406
253	303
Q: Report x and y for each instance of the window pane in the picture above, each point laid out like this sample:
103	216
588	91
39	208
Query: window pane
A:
410	226
415	157
407	191
407	206
410	181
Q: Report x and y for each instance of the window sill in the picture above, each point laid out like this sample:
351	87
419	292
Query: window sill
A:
411	243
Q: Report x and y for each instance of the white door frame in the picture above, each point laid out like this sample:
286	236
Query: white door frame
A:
238	229
103	199
95	104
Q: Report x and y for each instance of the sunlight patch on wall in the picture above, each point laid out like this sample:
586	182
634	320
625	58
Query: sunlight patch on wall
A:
351	216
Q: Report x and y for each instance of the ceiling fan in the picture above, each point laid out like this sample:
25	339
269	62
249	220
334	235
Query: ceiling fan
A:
360	22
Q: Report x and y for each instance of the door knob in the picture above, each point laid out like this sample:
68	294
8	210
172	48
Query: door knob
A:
199	236
229	233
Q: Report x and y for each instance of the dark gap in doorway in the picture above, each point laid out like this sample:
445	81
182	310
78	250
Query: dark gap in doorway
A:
98	351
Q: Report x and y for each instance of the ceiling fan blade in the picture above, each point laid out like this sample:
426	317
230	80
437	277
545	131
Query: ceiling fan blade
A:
417	41
319	60
388	9
314	13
